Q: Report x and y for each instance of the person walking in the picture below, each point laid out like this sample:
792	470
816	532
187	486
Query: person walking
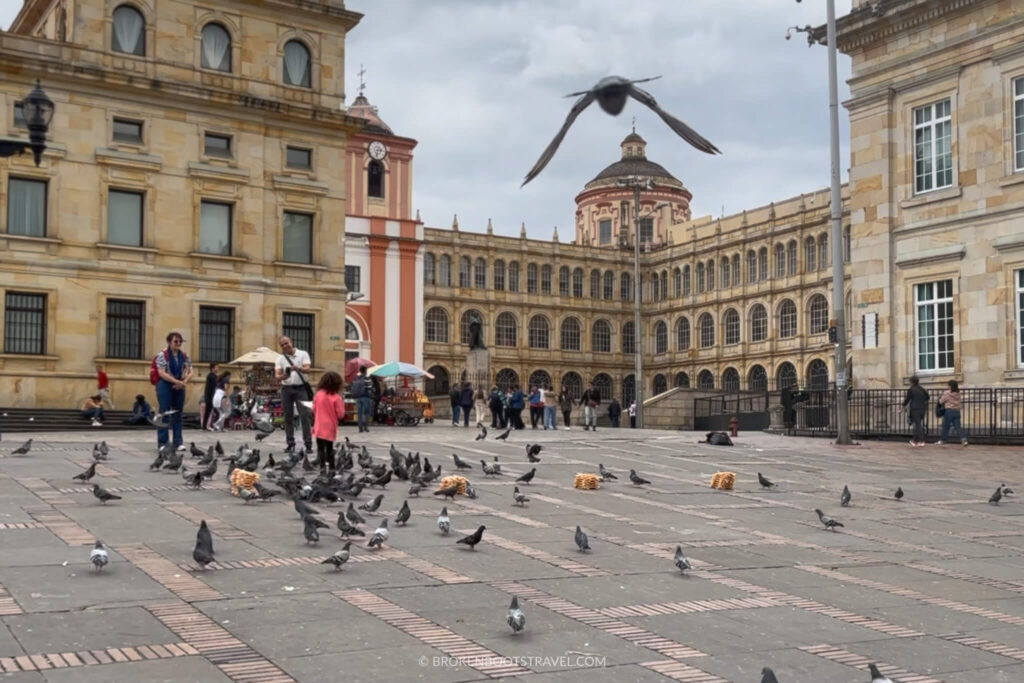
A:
480	405
614	411
950	404
917	400
455	398
536	402
632	415
328	410
516	403
174	370
207	406
566	403
550	404
360	391
290	369
590	400
92	409
466	402
497	410
788	411
103	386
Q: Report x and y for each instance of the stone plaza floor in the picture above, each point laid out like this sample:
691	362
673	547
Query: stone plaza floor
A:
930	587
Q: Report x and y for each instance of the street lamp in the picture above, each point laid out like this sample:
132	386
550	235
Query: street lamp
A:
37	109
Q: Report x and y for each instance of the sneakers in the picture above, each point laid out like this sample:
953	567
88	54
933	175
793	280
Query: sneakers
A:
568	429
97	423
964	442
180	447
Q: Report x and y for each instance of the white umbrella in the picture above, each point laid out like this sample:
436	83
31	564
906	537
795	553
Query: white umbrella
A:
260	355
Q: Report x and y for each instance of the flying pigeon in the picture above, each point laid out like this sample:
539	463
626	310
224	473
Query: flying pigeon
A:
581	540
158	421
374	504
98	556
504	435
482	435
844	499
473	538
605	474
637	479
768	676
528	477
763	481
519	498
443	523
380	535
339	558
997	496
680	560
516	618
23	449
203	552
876	675
404	514
347	529
88	474
448	492
103	494
461	464
899	493
827	521
611	93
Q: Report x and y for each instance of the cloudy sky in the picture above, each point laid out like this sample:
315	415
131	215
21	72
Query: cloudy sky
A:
480	85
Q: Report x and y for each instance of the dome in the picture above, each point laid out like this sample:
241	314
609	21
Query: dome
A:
633	137
361	108
633	162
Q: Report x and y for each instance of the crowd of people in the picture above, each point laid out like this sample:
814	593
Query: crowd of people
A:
503	409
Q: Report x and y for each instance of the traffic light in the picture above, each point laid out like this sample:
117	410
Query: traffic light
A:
833	335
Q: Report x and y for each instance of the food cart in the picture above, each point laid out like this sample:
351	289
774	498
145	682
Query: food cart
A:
262	393
401	402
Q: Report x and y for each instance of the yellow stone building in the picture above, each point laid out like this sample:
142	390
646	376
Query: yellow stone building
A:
194	181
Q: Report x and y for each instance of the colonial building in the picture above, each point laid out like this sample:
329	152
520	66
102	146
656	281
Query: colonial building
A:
195	181
738	302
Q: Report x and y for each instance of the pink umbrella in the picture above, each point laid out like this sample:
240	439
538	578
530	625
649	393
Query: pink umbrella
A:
352	367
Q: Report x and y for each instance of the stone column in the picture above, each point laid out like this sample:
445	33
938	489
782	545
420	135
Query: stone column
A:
478	369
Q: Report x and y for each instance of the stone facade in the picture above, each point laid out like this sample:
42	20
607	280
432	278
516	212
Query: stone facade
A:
189	185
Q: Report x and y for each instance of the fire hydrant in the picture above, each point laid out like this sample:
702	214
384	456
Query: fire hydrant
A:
734	426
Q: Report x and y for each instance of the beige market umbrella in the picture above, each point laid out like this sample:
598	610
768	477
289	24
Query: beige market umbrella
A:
260	355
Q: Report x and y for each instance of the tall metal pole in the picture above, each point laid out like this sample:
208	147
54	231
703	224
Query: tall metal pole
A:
638	382
838	275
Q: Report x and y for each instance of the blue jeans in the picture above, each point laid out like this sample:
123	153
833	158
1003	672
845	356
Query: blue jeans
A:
549	417
169	398
364	406
455	414
952	420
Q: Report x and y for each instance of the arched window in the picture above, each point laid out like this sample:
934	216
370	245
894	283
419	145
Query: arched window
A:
563	281
375	179
437	325
726	272
809	254
506	379
785	376
751	266
628	339
686	280
513	276
787	319
216	48
296	64
731	380
465	334
603	384
823	251
595	284
677	282
682	334
601	337
626	287
609	285
791	257
707	330
499	275
817	375
682	380
545	279
731	322
846	244
628	390
531	278
351	331
705	380
700	277
762	264
465	272
660	337
540	378
440	385
577	283
817	314
480	274
758	323
711	275
429	270
571	335
445	271
538	332
128	34
660	384
505	329
573	383
757	379
736	272
780	260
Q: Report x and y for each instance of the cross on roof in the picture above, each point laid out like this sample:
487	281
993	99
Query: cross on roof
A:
362	82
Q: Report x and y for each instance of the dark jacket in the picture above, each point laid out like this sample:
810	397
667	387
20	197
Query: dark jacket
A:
590	395
456	396
917	399
515	402
211	387
614	409
466	398
360	388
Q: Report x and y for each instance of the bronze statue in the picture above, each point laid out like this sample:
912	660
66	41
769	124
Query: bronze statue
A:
476	334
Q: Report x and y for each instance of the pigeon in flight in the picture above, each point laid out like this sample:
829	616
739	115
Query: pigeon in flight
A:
996	497
827	521
98	556
339	558
473	538
380	535
102	494
611	93
504	435
482	435
680	560
516	618
763	481
203	552
637	479
844	499
581	540
461	464
448	492
519	498
768	676
528	477
899	493
443	522
347	529
876	675
605	474
23	449
532	451
88	474
404	514
158	421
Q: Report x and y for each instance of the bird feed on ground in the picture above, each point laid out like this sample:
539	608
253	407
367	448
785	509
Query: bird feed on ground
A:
454	480
240	479
723	480
586	481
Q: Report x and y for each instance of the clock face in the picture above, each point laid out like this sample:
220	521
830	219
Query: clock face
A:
377	150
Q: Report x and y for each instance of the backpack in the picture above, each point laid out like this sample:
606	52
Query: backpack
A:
154	374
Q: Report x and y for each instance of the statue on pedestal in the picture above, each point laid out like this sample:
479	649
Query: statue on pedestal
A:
476	333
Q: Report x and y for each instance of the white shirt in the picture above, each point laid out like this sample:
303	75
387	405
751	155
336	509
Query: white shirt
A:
298	359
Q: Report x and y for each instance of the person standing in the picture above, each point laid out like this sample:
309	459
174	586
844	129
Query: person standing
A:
455	398
550	403
290	369
328	409
950	402
497	410
566	402
917	400
590	400
208	406
614	410
788	411
360	391
536	402
466	402
632	415
103	386
515	407
480	405
174	369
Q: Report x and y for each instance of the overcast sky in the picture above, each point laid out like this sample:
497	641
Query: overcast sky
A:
481	84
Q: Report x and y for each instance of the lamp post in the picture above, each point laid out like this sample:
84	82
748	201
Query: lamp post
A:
37	109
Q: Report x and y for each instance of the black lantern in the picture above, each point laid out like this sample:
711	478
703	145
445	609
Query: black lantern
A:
37	110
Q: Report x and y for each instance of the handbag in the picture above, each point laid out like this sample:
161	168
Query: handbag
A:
305	383
940	410
591	403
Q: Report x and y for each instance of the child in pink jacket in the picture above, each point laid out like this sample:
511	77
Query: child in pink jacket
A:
328	409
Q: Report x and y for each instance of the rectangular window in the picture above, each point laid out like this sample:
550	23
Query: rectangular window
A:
545	280
531	279
934	325
215	228
933	156
604	229
1019	279
299	158
1018	124
646	230
19	115
25	323
124	220
127	131
299	328
216	334
353	278
26	207
297	237
126	322
217	145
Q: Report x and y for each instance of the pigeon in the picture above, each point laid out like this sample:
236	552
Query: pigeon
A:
311	529
605	474
519	498
611	93
448	492
844	499
482	435
98	556
414	490
104	449
88	474
303	509
637	479
899	493
473	538
380	535
23	449
516	618
157	420
98	454
347	529
374	504
504	435
193	479
248	495
210	470
489	470
103	494
768	676
763	481
876	675
217	447
404	514
443	523
203	552
997	496
1007	491
528	477
470	491
461	464
680	560
581	540
827	521
532	451
195	451
354	516
339	558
